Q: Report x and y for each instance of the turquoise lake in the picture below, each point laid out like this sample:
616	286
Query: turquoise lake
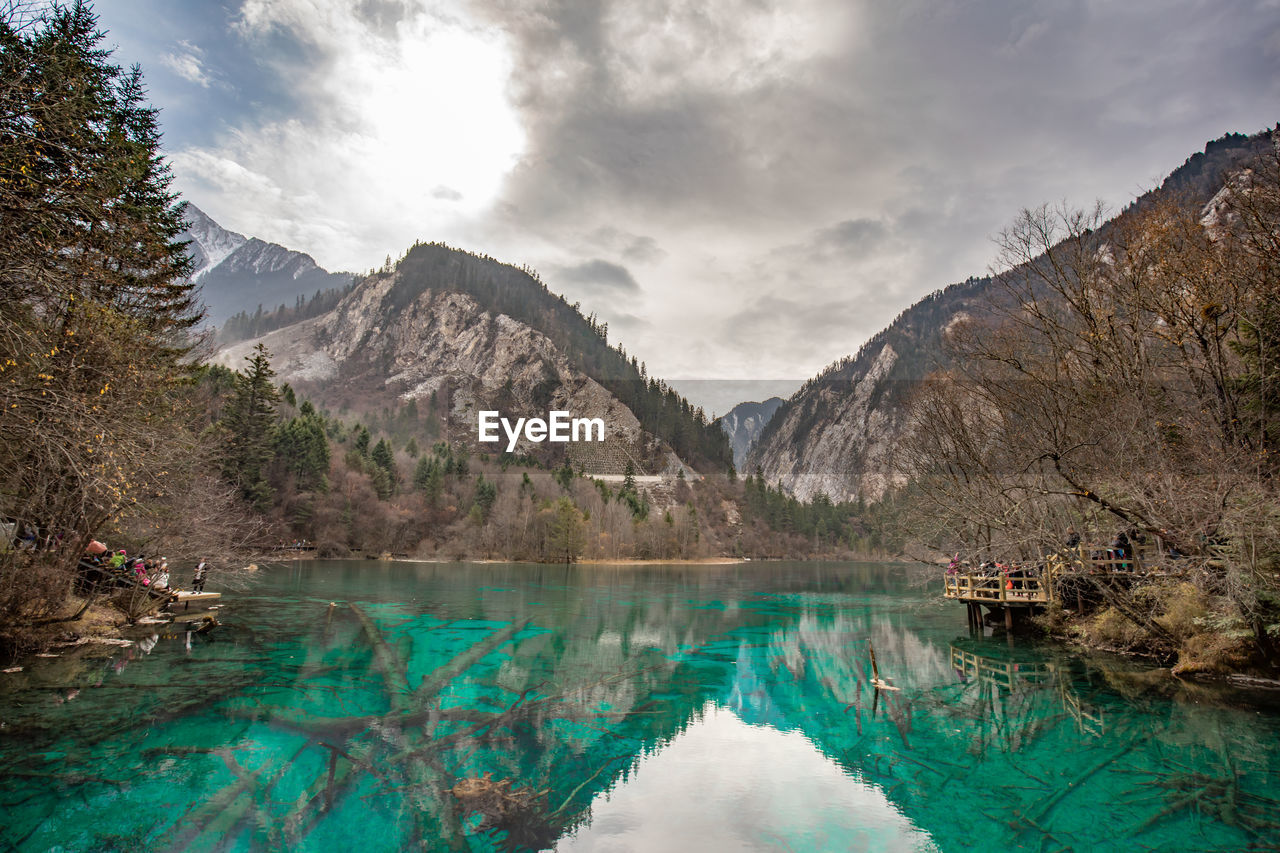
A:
591	708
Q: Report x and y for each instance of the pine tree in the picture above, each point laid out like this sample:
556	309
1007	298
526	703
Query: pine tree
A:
422	471
566	532
95	304
428	478
249	419
302	449
362	440
486	495
382	456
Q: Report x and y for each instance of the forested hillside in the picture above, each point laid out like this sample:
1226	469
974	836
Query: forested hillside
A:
836	434
244	325
520	294
350	487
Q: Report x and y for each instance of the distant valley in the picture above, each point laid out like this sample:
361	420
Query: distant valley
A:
744	423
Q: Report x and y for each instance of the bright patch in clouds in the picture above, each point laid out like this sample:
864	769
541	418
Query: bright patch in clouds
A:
407	131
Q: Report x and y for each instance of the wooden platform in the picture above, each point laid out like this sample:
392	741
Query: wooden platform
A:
1001	592
999	589
1006	593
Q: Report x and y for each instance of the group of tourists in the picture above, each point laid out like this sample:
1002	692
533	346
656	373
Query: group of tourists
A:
17	535
152	573
991	568
1118	556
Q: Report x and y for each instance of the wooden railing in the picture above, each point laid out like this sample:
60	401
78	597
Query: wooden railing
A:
998	589
1095	560
1002	588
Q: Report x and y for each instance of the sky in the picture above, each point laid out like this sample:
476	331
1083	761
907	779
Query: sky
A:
744	190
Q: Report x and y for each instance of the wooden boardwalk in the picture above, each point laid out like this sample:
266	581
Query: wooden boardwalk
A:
1029	590
1003	591
1002	588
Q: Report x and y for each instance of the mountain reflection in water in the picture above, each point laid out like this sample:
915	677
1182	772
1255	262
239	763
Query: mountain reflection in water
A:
490	707
724	785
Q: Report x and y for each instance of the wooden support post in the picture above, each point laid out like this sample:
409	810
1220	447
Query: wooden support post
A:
1008	618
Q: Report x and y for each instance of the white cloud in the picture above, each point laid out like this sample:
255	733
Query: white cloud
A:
394	110
188	63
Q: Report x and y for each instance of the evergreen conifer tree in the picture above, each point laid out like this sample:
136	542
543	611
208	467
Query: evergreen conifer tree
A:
249	420
95	303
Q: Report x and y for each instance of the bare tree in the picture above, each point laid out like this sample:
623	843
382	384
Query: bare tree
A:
1123	373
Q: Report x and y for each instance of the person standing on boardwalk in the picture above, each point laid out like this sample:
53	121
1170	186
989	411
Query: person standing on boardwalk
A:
197	583
1121	550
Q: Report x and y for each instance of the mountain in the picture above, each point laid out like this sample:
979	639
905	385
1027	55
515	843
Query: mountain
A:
835	435
210	242
461	333
744	423
239	273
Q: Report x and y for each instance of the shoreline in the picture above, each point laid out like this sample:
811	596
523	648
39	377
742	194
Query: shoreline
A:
700	561
621	561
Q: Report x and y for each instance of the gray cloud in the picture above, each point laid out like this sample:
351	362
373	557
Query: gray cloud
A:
781	327
627	322
598	277
852	235
632	247
644	250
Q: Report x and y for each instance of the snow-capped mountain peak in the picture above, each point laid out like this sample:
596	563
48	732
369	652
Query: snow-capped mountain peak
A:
239	273
210	242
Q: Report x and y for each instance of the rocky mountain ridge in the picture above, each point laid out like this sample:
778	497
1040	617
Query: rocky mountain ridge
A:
744	423
416	334
836	434
239	273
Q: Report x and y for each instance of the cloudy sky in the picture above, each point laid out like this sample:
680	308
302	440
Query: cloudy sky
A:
743	189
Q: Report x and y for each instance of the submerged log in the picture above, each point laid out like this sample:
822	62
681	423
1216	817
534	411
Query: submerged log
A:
443	675
392	666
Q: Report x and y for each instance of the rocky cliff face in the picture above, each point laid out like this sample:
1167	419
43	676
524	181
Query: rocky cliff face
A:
210	242
376	349
239	273
744	423
836	434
